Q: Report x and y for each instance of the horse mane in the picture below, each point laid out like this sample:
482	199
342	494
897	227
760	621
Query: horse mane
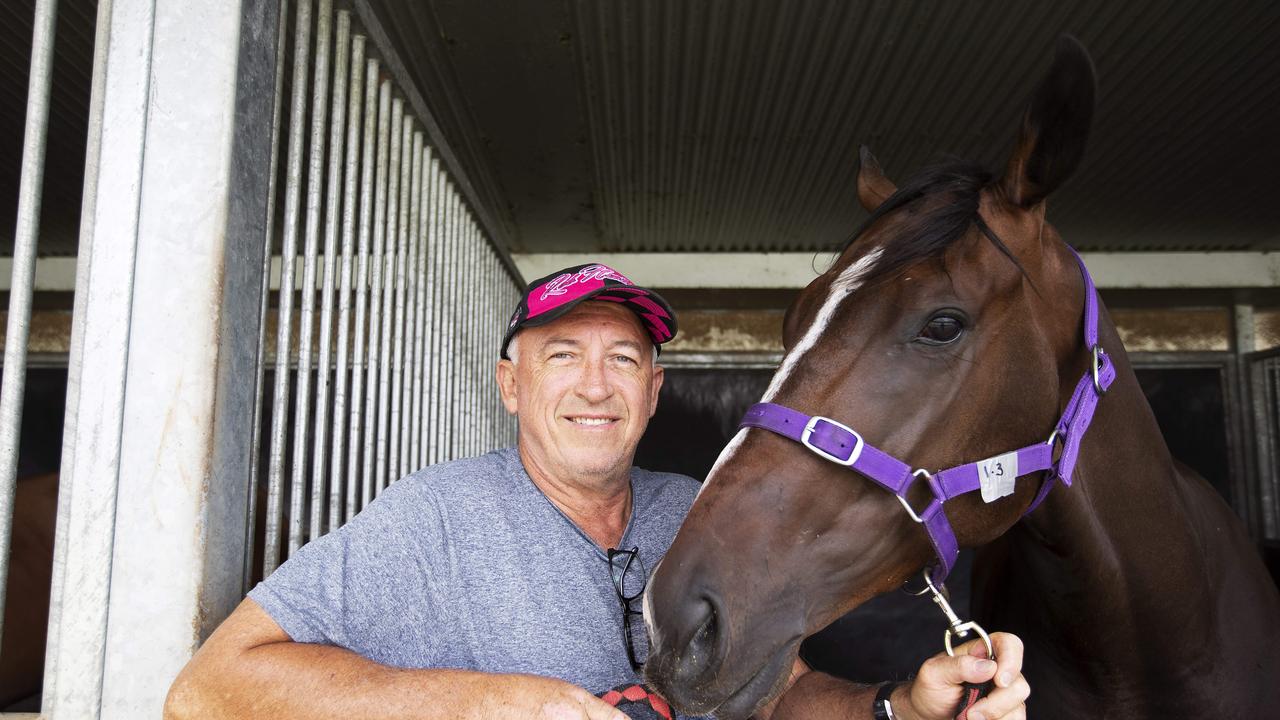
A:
940	204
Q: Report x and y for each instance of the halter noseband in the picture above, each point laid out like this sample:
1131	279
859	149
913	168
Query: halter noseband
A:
995	476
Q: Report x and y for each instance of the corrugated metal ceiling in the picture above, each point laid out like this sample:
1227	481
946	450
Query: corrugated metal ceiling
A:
651	125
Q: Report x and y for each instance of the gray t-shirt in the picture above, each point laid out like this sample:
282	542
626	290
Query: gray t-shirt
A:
468	565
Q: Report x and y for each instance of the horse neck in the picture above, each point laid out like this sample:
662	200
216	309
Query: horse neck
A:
1119	543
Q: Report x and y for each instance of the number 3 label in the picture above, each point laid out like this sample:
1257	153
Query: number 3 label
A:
998	475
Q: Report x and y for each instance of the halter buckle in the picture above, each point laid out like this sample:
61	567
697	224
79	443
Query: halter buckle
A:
1097	383
811	426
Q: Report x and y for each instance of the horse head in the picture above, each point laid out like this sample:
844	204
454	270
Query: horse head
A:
947	331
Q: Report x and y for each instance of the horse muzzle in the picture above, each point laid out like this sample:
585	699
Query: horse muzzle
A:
692	663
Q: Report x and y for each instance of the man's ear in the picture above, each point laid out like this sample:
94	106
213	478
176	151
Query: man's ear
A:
506	376
659	375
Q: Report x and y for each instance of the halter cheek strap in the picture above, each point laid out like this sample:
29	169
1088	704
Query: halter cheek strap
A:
841	444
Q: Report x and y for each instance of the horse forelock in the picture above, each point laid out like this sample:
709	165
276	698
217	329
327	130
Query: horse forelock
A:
931	212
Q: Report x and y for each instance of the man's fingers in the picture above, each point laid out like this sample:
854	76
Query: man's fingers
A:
1006	702
1008	655
942	670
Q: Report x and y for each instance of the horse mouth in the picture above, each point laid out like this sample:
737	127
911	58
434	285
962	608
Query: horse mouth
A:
767	681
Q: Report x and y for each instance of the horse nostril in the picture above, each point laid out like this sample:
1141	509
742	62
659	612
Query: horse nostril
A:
704	638
703	654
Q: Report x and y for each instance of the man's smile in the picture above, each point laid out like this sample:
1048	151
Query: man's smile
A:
592	420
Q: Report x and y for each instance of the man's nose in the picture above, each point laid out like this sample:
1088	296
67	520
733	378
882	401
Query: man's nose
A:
593	383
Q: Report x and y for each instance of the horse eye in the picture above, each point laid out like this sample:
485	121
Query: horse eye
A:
941	329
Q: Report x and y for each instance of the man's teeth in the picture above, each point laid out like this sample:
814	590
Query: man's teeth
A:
591	421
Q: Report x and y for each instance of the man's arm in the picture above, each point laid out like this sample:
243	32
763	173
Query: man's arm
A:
932	695
250	668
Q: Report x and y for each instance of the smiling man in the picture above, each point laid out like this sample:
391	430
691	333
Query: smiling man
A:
510	585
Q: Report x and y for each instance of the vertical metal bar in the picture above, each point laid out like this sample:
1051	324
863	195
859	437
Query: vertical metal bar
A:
461	355
320	445
473	346
494	320
454	344
414	388
268	241
388	297
24	271
435	342
284	313
407	142
359	341
343	483
449	306
369	475
411	310
307	299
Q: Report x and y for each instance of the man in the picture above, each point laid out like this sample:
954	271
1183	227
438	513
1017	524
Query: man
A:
492	587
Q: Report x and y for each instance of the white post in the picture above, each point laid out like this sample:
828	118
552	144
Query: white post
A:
154	492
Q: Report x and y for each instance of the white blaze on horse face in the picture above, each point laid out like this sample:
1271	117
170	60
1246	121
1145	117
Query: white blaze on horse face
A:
841	288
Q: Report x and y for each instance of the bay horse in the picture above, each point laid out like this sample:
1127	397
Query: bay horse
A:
950	330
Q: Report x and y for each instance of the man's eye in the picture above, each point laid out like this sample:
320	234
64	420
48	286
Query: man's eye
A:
942	329
561	355
627	359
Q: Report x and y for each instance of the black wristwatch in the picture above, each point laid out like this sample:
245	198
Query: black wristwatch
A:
881	709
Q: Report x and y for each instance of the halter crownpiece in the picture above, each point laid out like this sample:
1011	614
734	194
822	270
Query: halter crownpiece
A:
995	476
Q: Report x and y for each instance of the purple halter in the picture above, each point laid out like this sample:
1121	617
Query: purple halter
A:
994	476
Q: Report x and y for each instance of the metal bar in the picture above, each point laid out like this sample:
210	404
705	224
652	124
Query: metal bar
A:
24	271
453	341
493	320
407	141
434	356
343	483
267	240
475	286
448	278
388	296
79	592
422	162
320	445
369	475
307	299
425	322
356	427
284	313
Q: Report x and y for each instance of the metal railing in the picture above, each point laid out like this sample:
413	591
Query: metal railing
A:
24	270
393	371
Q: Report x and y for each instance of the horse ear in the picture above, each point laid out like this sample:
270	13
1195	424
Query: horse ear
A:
1054	128
873	186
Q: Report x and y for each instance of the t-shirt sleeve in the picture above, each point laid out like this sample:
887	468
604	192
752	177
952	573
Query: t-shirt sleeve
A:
348	588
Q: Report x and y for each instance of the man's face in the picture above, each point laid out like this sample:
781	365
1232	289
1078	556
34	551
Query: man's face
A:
583	388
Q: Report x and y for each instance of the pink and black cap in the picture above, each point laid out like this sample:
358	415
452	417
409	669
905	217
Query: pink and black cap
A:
555	295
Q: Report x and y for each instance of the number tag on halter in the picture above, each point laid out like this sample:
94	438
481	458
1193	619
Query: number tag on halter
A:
998	475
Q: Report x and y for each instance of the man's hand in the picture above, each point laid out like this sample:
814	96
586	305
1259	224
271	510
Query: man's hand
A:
531	696
936	691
